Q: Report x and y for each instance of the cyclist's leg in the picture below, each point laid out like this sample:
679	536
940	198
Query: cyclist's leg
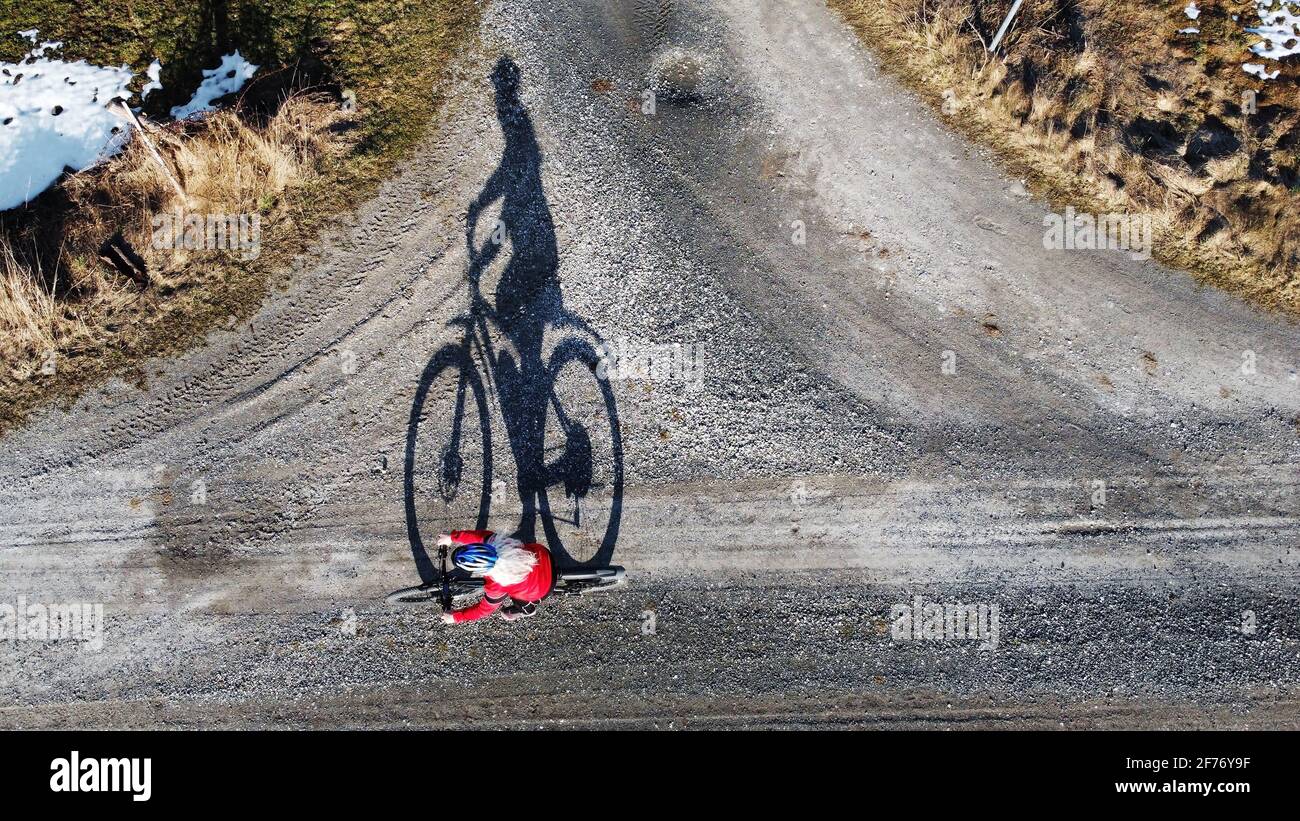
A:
522	609
519	610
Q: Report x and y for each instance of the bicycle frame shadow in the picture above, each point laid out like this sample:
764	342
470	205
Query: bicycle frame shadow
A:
526	303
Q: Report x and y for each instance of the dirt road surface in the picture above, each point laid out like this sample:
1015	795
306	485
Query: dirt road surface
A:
884	389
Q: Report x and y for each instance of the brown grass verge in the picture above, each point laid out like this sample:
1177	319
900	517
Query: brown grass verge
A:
1105	106
54	316
68	320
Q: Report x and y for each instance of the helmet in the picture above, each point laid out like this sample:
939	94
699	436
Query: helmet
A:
476	558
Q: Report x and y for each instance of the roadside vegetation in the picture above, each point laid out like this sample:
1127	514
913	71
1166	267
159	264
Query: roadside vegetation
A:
1119	107
345	89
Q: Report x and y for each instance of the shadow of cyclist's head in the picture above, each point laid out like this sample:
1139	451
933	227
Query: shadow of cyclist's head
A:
526	294
505	79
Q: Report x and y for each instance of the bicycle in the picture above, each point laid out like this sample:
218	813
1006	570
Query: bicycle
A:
551	406
452	588
563	431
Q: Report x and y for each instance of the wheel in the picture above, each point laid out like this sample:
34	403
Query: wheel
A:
411	595
591	574
447	474
431	593
580	581
583	451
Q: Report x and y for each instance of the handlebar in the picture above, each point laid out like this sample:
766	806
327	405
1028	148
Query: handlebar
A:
445	598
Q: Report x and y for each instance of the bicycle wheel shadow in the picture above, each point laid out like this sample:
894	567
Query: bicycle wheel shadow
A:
525	304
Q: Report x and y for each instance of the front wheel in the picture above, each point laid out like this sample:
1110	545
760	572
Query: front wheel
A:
461	592
582	502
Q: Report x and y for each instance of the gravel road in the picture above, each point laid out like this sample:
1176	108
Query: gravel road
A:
875	386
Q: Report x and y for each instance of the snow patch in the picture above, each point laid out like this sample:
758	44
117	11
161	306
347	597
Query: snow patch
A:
53	117
1258	70
1278	29
226	78
1192	11
154	83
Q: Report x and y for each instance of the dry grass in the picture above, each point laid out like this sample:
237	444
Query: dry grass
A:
299	169
1103	105
58	295
29	321
225	166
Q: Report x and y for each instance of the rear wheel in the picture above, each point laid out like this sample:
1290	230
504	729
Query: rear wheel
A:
448	468
587	580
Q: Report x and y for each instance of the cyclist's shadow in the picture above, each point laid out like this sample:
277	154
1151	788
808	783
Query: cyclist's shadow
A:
503	351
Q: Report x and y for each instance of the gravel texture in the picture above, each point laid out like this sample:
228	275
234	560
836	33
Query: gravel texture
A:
242	513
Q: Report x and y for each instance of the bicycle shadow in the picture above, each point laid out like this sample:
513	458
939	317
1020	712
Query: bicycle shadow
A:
525	304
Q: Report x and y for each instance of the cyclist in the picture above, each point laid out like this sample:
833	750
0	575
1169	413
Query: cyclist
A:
512	571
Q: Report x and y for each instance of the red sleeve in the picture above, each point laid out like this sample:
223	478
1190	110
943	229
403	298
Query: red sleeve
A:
470	536
484	606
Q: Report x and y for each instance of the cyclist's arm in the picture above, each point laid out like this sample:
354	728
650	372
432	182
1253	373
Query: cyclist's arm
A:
492	189
486	606
470	536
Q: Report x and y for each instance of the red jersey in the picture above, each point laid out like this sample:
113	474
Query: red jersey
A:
534	587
